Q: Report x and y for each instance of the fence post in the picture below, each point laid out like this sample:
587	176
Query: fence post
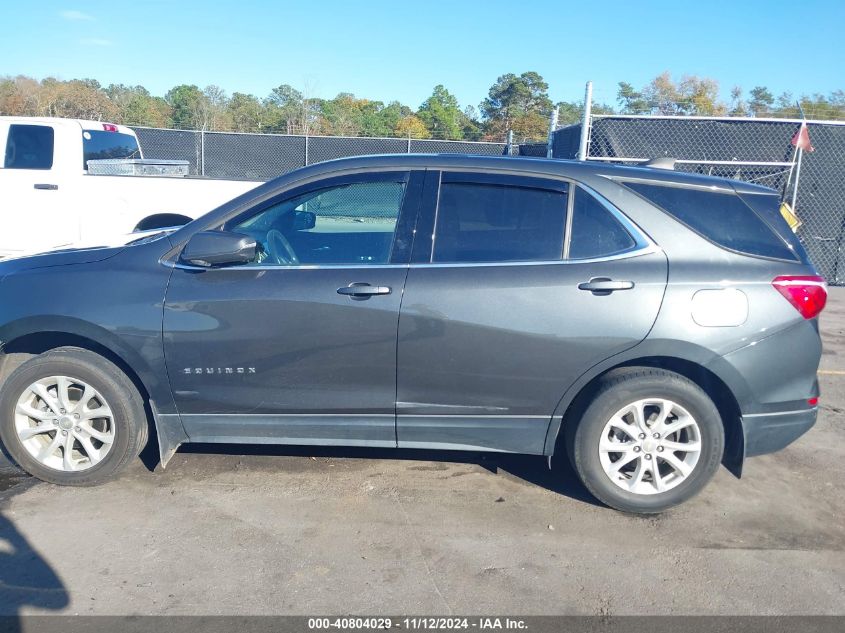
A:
409	141
509	146
305	164
202	152
552	128
585	123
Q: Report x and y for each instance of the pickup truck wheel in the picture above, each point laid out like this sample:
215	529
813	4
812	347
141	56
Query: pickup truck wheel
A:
649	440
71	417
162	221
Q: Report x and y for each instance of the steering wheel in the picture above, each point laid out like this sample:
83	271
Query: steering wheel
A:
279	249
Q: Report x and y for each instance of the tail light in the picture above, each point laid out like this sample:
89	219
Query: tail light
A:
109	127
807	293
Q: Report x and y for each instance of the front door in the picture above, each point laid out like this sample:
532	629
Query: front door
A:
298	346
526	284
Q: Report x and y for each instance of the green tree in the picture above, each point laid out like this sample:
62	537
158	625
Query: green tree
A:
517	102
245	112
189	110
761	101
284	110
441	115
630	100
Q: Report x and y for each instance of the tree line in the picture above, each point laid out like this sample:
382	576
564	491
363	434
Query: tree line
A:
516	103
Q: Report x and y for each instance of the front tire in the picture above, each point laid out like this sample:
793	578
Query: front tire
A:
71	417
649	440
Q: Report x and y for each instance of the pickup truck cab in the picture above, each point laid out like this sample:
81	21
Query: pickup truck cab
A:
48	198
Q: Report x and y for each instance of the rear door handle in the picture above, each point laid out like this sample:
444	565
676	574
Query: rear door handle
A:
45	186
362	290
604	285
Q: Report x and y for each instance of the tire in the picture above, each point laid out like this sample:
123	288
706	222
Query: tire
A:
117	422
162	221
634	486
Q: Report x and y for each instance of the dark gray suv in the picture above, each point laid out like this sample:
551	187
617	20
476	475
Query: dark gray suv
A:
650	324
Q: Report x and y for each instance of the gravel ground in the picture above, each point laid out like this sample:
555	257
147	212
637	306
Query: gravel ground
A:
304	531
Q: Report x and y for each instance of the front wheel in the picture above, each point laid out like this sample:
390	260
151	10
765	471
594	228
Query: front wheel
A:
71	417
650	440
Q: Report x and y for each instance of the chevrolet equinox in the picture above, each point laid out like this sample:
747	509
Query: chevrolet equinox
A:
649	324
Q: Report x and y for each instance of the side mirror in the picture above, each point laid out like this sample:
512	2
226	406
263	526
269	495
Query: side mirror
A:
218	248
304	220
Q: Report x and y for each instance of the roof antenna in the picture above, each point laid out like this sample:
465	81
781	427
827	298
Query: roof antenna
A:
661	162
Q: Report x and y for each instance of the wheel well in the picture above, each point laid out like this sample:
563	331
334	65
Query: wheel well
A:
162	221
713	386
19	350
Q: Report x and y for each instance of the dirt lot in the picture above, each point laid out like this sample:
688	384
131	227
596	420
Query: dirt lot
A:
304	531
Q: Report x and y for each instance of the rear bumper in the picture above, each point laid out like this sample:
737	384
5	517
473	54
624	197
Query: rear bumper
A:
769	432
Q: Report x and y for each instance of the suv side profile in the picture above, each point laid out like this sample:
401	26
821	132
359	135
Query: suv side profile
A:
649	324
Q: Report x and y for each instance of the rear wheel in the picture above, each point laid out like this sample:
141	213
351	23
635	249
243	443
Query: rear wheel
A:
649	440
71	417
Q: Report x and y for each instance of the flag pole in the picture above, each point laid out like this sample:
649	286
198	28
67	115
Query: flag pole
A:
800	156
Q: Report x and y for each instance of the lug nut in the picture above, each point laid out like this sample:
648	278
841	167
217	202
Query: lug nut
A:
642	436
659	449
648	455
55	423
656	436
76	415
62	411
64	432
637	449
78	429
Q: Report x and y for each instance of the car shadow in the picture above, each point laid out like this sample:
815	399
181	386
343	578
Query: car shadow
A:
26	578
533	469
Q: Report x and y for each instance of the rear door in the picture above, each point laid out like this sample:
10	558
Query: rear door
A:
517	286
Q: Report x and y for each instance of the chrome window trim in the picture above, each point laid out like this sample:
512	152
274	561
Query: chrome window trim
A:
648	250
621	180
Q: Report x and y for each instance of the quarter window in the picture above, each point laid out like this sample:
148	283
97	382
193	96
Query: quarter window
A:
721	217
350	224
498	223
29	147
595	232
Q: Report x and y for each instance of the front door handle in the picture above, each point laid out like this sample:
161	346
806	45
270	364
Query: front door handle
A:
45	186
604	285
363	290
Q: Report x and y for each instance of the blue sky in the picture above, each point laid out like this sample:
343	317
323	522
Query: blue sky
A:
401	50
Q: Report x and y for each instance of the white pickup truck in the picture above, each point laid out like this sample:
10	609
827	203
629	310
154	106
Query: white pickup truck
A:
49	198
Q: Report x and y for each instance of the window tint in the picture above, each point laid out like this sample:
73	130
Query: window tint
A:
488	223
100	145
347	224
595	232
721	217
29	147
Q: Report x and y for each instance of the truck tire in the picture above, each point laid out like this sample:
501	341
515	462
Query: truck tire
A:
71	417
162	221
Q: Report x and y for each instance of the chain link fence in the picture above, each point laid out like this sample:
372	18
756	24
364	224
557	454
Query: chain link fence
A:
752	150
244	156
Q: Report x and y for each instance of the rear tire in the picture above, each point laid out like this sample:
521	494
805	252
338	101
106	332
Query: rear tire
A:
649	440
71	417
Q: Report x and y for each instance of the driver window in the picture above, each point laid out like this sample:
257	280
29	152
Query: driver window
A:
348	224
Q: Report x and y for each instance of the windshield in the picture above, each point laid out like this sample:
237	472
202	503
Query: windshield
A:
99	144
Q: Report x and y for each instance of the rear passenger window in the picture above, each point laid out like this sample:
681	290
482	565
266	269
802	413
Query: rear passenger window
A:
498	223
29	147
595	232
721	217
